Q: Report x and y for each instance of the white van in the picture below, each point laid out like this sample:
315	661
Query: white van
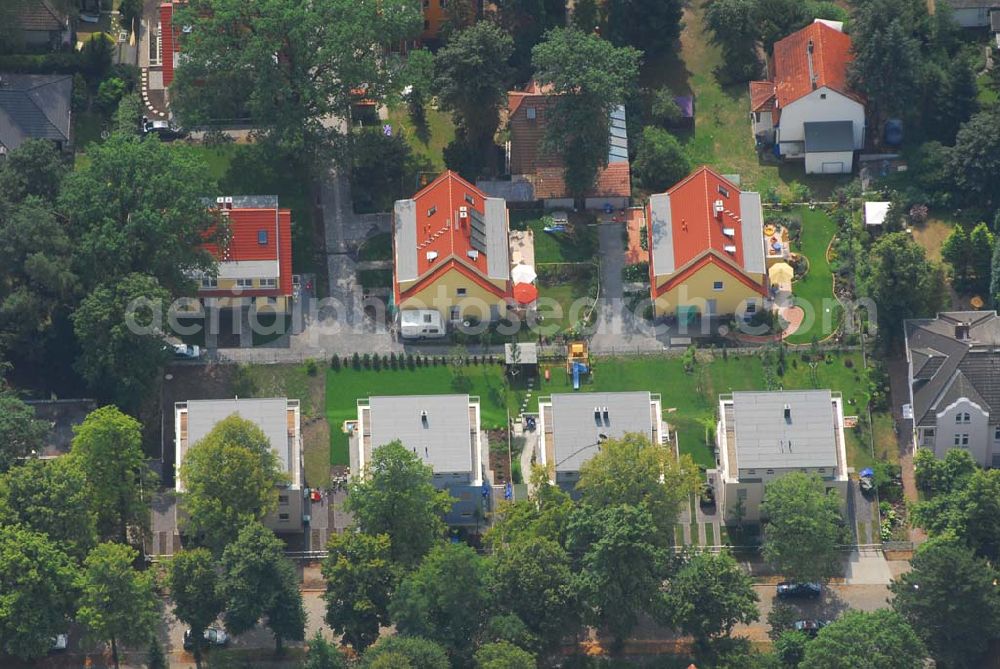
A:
421	324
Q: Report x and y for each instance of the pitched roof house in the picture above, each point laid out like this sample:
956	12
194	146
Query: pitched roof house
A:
954	380
41	24
35	106
255	260
528	114
451	253
281	421
806	108
762	436
974	13
706	246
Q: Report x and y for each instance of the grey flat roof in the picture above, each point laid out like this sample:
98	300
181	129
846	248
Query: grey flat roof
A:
764	438
753	232
662	253
269	414
829	136
497	243
576	433
405	239
445	443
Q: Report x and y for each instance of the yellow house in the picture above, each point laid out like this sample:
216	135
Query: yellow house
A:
706	248
450	248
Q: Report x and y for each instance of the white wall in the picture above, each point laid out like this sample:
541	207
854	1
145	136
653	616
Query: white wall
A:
980	436
832	162
814	108
762	125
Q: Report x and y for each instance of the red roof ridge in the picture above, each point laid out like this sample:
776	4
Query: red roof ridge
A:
699	171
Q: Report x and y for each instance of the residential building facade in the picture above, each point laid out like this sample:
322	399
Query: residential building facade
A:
42	24
953	364
451	253
706	244
572	427
254	258
281	421
444	431
762	436
806	109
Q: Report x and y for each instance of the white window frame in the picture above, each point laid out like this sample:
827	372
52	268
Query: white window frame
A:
244	283
718	286
209	282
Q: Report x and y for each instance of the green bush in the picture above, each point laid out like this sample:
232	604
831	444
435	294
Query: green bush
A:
356	361
335	363
311	367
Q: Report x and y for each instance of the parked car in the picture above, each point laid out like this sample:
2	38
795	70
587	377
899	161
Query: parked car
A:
186	352
60	642
707	496
165	130
810	627
789	590
214	638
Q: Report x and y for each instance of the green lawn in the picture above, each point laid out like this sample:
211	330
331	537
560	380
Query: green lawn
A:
375	278
988	94
814	292
572	287
218	158
428	142
378	247
556	247
345	387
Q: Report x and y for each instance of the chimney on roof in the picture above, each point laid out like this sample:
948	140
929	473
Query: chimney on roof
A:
962	331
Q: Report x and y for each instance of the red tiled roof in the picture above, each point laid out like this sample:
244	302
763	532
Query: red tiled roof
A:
612	181
695	227
761	96
831	54
446	233
41	16
244	242
168	42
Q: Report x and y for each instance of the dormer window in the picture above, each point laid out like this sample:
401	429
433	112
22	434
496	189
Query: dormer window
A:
530	113
723	191
262	237
471	200
431	211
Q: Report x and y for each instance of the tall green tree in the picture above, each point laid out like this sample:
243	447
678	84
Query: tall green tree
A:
901	282
660	161
777	19
533	579
504	655
259	582
975	159
360	579
395	496
621	567
527	21
444	598
405	652
196	592
995	273
949	599
590	77
20	432
733	26
636	472
37	591
957	252
969	513
943	475
650	25
861	640
107	446
709	595
117	603
323	654
981	253
51	497
118	329
137	206
230	477
419	75
35	168
472	78
290	64
803	527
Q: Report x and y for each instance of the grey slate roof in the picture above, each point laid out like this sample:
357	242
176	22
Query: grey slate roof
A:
576	433
445	443
753	232
41	16
945	367
765	439
662	241
269	414
829	136
497	242
34	106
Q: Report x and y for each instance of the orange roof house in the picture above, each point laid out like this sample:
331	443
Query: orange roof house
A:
807	106
528	112
706	247
451	251
255	259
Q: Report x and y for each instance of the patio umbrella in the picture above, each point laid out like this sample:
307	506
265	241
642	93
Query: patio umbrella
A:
525	293
523	274
780	273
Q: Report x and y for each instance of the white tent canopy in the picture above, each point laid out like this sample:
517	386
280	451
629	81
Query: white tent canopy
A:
523	274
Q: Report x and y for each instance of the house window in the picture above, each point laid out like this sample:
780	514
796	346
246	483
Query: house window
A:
929	432
822	96
821	470
965	439
756	117
209	282
444	3
530	113
262	237
996	434
431	211
770	471
427	318
283	517
244	283
751	471
723	191
427	24
154	44
741	494
427	4
962	418
470	199
455	313
283	500
268	283
460	291
751	307
717	286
